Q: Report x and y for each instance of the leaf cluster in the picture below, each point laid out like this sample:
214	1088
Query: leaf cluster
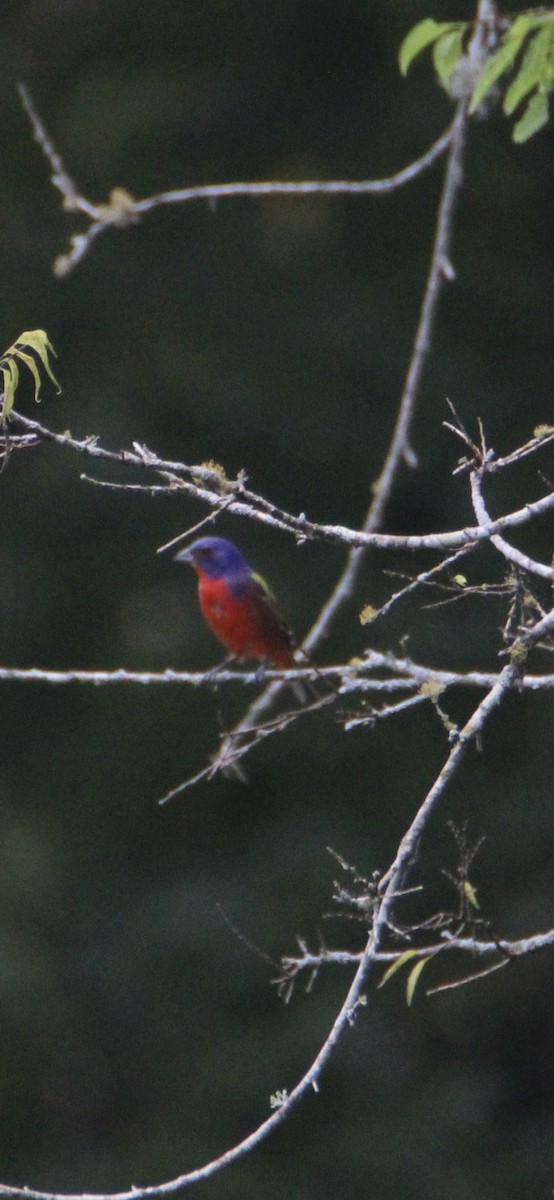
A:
30	346
524	53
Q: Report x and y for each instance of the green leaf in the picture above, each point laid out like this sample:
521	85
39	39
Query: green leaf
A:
533	119
495	66
526	22
30	362
534	69
38	340
447	51
396	965
10	372
422	35
413	979
33	339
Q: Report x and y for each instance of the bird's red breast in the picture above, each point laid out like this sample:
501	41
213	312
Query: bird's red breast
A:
249	625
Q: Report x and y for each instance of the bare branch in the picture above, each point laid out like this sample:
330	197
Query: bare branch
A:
122	209
510	553
380	714
451	984
420	674
308	960
408	674
233	496
72	200
509	677
326	187
148	678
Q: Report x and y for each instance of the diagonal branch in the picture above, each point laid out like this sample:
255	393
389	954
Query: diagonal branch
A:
347	1013
393	881
308	1083
202	482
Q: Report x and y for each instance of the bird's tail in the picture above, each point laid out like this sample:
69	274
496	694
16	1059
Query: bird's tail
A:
305	690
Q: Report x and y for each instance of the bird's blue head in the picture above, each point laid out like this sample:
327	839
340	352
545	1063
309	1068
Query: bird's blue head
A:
215	557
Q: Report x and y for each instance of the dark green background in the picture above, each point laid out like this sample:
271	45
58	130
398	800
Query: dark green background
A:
139	1036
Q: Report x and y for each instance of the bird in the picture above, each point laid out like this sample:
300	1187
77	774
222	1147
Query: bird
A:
237	604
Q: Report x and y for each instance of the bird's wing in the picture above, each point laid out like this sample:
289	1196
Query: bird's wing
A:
269	609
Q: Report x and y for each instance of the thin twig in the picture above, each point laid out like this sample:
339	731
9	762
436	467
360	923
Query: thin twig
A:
72	199
451	984
425	577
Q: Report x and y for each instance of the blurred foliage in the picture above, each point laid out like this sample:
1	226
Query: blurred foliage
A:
529	38
140	1036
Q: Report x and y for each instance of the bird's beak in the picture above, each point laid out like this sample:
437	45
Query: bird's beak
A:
184	556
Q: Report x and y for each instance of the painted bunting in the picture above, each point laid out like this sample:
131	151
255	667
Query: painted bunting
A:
237	604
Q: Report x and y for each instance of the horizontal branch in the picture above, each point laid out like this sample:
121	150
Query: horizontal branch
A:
304	187
448	942
420	674
123	210
349	678
148	678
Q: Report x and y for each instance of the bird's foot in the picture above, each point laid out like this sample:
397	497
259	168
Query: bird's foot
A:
211	676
